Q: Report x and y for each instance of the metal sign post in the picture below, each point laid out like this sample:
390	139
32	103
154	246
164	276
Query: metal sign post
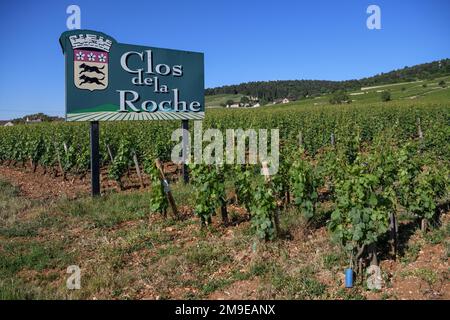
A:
185	170
95	159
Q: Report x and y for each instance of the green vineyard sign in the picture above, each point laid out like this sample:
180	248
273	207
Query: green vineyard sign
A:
109	81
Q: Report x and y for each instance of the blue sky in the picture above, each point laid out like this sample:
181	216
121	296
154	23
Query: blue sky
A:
242	40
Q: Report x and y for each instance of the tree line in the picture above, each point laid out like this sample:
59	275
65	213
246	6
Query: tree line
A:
299	89
37	116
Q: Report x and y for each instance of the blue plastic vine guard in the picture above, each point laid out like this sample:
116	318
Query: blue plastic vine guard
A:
349	278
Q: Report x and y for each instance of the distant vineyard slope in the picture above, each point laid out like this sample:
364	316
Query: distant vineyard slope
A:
298	89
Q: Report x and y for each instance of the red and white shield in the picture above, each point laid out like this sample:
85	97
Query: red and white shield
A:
90	68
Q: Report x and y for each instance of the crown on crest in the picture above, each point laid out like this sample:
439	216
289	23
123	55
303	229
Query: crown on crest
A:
90	41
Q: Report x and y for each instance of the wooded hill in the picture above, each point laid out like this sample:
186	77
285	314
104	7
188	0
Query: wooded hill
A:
298	89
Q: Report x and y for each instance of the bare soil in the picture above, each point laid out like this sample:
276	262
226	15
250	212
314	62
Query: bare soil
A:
37	185
427	277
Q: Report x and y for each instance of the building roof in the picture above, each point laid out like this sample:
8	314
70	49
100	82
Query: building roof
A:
6	123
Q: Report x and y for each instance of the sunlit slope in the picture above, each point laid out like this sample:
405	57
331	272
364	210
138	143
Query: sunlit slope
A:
421	91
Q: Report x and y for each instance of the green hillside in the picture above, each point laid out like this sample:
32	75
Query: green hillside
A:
300	89
215	101
421	91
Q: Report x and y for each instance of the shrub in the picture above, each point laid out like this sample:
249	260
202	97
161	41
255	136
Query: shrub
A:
339	97
385	96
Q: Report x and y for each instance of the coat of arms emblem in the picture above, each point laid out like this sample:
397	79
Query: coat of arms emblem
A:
90	61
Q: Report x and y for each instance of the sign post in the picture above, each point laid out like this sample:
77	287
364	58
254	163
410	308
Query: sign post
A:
111	81
95	159
185	170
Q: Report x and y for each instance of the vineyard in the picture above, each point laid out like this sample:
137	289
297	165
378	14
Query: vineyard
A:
356	169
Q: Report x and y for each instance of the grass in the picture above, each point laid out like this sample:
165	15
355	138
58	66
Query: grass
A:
217	100
8	191
260	268
32	256
183	193
10	204
108	210
334	261
431	277
117	260
300	285
14	289
126	252
438	235
411	253
350	294
207	255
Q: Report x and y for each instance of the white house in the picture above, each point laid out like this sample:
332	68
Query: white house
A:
33	120
6	123
282	101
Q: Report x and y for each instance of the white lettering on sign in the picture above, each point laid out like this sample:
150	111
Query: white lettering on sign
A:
128	98
150	67
131	100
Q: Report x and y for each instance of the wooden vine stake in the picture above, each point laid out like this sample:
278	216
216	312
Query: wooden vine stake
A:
424	222
419	129
300	139
276	219
424	225
223	204
167	190
59	160
224	212
393	235
138	170
110	153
